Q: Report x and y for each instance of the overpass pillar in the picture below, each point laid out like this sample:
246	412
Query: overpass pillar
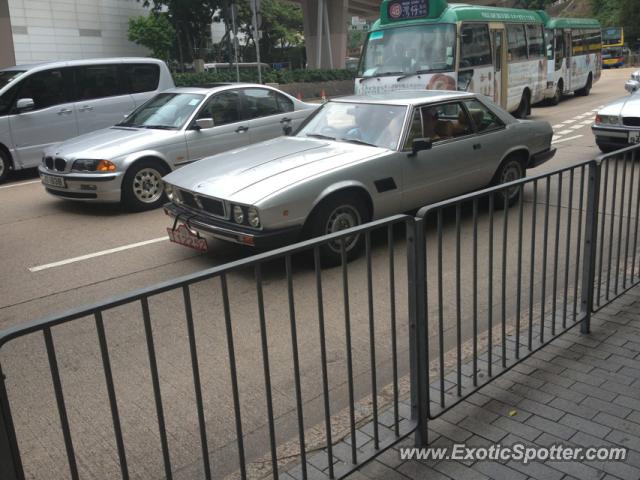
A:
7	55
325	32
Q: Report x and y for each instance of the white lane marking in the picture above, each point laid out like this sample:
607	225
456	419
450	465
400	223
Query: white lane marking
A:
558	126
577	127
564	132
566	139
587	122
96	254
19	184
567	122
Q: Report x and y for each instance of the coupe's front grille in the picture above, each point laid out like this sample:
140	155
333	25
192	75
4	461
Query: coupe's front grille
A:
631	121
205	204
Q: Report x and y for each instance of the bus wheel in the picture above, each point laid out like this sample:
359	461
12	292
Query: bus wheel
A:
584	92
524	108
557	98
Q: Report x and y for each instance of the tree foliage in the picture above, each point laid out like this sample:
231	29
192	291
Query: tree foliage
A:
154	32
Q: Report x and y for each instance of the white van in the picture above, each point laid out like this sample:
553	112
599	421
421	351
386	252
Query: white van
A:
43	104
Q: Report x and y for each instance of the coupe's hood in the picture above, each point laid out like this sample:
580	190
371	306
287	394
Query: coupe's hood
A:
110	143
252	173
628	106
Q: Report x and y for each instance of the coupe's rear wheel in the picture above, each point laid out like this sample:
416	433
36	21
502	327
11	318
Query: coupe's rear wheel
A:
5	166
339	212
512	169
142	185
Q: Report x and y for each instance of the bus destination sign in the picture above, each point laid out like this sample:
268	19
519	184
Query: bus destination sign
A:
403	9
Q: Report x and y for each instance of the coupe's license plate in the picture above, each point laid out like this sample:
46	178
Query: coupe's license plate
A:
634	137
54	181
184	236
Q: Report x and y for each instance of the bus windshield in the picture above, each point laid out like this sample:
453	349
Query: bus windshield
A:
612	36
408	50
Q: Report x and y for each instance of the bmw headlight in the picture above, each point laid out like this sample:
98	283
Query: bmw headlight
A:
93	165
254	218
238	214
607	120
169	192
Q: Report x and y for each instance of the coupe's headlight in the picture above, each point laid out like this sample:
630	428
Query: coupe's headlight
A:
92	165
607	120
254	218
238	214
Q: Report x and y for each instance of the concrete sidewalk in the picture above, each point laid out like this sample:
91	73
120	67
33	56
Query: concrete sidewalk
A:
582	390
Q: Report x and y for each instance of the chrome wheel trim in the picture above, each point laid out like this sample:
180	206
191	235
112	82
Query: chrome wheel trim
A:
147	185
511	172
341	218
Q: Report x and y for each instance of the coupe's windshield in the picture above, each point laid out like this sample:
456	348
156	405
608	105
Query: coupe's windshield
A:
407	50
362	123
6	76
169	111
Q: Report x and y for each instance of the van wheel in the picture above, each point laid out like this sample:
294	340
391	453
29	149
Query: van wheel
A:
584	92
512	169
336	213
142	187
557	98
524	108
5	166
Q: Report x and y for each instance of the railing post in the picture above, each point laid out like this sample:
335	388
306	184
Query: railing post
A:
416	249
590	244
10	464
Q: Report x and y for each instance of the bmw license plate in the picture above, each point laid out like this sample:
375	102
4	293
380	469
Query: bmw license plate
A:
634	137
183	236
54	181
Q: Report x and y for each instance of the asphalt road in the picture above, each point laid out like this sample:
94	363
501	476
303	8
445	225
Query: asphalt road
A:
58	255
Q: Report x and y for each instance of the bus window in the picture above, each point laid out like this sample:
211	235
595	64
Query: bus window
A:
535	40
475	47
517	43
577	41
549	37
559	48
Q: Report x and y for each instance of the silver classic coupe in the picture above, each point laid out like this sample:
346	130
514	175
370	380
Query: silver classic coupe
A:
127	161
354	160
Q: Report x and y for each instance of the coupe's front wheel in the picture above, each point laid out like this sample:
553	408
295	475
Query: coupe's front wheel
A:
142	187
334	214
512	169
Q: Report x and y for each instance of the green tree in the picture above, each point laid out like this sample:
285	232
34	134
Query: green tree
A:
154	32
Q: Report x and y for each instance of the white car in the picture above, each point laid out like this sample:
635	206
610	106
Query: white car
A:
127	161
48	103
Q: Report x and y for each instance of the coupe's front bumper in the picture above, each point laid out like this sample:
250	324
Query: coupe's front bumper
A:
541	157
97	187
209	227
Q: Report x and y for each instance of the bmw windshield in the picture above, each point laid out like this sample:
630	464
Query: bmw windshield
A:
409	50
165	111
360	123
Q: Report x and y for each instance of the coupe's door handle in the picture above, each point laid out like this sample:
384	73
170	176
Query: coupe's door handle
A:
477	146
64	111
285	120
242	129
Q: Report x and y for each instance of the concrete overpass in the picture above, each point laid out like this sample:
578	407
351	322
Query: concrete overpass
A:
326	24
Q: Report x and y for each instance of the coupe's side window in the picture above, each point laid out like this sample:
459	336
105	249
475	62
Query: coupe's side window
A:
260	102
47	88
98	81
483	118
445	122
415	129
223	108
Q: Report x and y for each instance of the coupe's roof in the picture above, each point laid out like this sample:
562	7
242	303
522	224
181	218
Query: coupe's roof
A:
406	97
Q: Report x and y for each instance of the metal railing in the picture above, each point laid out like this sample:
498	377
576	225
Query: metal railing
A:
448	301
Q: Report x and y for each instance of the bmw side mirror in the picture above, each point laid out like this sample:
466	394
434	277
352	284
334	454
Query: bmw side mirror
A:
287	130
420	144
632	86
25	104
204	123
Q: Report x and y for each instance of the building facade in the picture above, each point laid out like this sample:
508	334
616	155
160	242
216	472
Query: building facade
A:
45	30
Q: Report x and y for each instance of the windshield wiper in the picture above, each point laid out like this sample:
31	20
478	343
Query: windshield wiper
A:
319	135
417	72
385	74
159	127
356	141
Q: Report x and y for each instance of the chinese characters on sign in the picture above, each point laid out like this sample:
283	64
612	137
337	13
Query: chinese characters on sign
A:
408	9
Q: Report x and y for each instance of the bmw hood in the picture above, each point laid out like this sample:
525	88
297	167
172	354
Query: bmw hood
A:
110	143
628	106
250	174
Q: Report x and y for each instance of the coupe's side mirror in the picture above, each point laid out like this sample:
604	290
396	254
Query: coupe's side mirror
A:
420	144
25	104
204	123
632	86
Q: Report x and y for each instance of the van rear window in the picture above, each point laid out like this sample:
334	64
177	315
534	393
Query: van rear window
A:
143	77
